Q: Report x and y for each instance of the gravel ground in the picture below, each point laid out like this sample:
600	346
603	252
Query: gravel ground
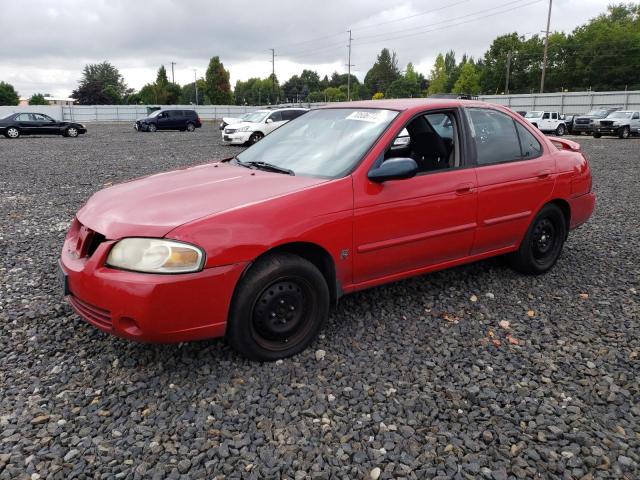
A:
476	372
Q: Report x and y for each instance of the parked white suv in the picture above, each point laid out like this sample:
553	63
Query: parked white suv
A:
258	124
621	123
547	121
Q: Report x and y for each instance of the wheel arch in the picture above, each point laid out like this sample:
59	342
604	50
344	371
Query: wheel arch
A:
313	253
564	206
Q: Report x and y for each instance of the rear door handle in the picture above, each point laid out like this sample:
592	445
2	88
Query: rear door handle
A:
544	174
464	188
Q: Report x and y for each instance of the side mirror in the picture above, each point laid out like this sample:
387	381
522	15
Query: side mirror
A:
394	169
269	120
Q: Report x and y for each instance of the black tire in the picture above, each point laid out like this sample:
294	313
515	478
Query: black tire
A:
542	245
71	132
278	308
597	135
12	132
255	137
152	128
561	130
191	127
624	132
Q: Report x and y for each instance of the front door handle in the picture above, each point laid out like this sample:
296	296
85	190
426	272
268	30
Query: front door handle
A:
544	174
464	188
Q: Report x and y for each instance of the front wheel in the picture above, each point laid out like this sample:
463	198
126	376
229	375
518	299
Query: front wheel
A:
12	132
152	127
624	132
542	243
597	135
278	308
560	131
255	138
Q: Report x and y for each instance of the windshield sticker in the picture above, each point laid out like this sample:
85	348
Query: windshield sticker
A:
371	116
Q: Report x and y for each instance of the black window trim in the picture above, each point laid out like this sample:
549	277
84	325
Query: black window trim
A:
472	143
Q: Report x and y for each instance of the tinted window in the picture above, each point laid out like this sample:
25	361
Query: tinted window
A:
25	117
287	115
636	116
495	136
530	146
554	116
190	113
545	116
276	116
42	118
174	113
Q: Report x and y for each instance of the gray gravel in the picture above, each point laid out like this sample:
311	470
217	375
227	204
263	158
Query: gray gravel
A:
476	372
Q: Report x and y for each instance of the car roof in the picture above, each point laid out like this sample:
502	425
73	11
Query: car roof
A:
404	104
287	108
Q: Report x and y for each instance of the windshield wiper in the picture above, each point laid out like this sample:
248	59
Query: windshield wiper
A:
264	166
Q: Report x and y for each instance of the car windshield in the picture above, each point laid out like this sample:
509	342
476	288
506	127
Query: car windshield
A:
533	114
255	117
598	113
620	115
321	143
155	113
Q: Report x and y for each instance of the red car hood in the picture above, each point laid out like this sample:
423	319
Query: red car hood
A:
155	205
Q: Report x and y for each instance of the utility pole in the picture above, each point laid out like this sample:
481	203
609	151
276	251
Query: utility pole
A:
506	85
273	71
546	48
349	65
195	83
173	78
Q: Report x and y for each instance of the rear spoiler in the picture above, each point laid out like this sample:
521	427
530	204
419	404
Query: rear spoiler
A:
564	144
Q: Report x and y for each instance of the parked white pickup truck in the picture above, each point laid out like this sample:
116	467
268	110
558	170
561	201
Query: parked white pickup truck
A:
547	121
621	123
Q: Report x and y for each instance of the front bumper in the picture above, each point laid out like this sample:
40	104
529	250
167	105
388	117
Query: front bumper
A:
147	307
609	130
236	138
582	127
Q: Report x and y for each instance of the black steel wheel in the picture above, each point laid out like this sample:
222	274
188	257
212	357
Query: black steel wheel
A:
624	132
278	308
542	244
597	135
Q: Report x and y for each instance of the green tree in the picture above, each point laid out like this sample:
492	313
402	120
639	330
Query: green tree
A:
101	84
38	99
438	77
218	88
377	96
161	92
383	72
188	94
468	80
8	94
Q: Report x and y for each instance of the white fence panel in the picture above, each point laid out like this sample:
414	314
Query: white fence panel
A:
569	102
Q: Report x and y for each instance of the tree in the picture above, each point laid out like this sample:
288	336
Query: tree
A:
188	94
38	99
218	88
101	84
161	91
468	80
8	95
383	72
377	96
438	77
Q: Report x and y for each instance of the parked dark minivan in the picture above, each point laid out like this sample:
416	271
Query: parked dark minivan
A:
169	120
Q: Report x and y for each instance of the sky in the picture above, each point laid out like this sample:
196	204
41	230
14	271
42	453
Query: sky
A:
45	44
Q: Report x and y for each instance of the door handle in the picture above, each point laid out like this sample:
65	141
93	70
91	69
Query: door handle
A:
464	188
544	174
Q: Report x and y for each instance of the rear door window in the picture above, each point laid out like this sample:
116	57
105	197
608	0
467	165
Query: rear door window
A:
529	145
276	117
495	136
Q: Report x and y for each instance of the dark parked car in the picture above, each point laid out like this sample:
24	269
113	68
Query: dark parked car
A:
16	124
169	120
586	123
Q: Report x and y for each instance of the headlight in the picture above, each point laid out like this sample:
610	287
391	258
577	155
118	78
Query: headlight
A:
244	129
152	255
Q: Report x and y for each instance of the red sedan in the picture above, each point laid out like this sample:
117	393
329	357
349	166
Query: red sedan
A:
256	248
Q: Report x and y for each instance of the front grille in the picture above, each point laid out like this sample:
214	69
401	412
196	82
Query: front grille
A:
583	121
606	123
87	241
95	315
229	130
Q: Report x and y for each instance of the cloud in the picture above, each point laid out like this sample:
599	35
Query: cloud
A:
46	44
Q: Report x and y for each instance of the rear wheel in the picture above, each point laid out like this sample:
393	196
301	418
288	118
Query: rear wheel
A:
624	132
543	242
191	127
152	127
71	132
561	130
278	308
255	138
12	132
597	135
